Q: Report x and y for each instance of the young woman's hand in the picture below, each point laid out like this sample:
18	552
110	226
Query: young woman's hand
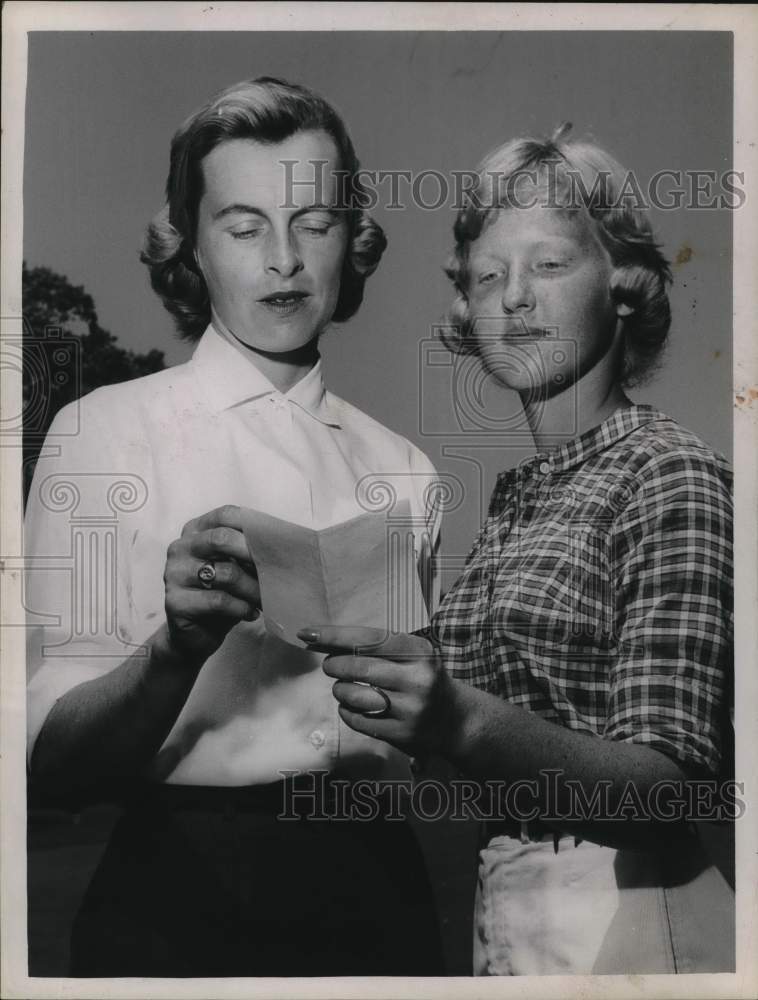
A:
391	687
199	616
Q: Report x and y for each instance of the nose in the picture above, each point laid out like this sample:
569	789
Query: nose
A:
517	293
282	256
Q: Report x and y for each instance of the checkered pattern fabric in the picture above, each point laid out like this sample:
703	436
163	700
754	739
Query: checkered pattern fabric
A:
599	591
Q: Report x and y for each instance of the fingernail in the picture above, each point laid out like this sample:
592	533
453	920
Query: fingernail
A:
309	634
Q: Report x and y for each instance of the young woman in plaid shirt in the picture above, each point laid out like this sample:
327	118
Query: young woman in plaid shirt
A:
583	656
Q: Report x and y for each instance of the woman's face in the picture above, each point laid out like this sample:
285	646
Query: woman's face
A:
539	298
271	254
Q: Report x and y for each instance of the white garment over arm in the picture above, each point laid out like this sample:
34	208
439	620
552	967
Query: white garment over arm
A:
123	470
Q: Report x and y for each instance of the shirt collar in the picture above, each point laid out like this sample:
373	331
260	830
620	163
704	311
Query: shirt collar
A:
228	381
619	425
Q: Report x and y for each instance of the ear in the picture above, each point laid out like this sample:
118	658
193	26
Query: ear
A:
196	259
624	285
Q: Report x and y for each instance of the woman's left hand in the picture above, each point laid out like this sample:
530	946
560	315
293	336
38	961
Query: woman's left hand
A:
399	678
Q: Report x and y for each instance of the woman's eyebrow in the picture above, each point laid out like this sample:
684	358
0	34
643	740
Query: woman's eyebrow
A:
545	241
239	209
485	257
316	207
554	243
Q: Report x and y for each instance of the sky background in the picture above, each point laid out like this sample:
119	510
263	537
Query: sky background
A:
102	107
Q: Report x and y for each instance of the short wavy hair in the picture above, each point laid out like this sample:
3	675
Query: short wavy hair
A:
268	110
579	176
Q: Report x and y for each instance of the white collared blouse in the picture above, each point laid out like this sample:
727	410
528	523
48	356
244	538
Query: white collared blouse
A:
123	469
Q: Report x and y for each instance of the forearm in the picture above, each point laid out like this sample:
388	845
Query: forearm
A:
113	726
489	739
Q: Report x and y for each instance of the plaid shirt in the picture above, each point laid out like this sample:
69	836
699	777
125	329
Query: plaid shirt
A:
599	591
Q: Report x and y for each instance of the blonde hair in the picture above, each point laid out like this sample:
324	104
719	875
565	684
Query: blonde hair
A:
580	176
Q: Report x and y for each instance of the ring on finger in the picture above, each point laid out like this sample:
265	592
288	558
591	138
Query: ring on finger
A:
378	713
206	574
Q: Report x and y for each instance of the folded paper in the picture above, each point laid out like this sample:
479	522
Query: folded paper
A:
359	572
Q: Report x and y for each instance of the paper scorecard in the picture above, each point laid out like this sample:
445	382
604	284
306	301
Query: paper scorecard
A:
359	572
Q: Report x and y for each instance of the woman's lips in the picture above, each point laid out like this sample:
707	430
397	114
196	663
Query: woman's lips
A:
517	328
508	328
284	303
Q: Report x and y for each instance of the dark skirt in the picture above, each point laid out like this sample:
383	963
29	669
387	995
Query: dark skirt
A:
208	882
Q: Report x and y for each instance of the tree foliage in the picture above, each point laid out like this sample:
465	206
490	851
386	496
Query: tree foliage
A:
66	354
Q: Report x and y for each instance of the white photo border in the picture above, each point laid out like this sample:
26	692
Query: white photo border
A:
742	20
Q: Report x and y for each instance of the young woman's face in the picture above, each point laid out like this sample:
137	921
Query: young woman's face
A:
271	256
539	298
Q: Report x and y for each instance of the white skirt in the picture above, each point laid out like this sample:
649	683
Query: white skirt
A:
551	907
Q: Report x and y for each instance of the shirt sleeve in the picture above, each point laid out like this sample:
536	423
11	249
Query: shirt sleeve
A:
76	590
673	577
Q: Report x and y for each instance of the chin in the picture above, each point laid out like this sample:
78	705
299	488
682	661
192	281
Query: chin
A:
516	377
277	341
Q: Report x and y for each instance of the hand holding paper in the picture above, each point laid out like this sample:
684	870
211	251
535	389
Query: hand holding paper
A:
393	688
360	572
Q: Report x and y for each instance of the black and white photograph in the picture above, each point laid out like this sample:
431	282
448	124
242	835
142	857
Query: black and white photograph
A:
378	544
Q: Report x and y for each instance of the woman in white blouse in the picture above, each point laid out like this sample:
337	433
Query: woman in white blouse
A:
180	699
